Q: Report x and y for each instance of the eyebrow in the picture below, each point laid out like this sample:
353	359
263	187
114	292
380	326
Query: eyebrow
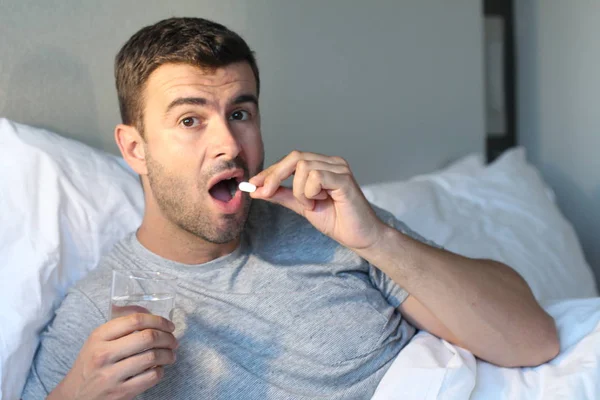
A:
246	98
199	101
196	101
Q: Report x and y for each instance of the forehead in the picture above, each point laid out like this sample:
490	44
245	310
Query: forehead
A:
173	80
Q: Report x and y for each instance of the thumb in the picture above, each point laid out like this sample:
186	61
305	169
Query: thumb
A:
285	197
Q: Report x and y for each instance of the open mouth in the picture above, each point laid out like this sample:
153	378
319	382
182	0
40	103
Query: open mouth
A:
224	190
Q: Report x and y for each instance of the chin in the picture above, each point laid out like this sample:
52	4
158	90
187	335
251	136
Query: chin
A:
226	229
211	225
222	237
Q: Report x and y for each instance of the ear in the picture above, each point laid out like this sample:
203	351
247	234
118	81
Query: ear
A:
131	144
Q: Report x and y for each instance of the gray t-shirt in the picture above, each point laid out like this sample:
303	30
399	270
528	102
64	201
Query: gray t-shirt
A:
290	314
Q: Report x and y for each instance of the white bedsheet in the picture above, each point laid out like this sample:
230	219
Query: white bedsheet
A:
430	368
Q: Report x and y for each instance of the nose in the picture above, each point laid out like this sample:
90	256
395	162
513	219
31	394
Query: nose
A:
224	141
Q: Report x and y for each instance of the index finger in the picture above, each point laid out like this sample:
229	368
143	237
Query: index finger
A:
123	326
270	179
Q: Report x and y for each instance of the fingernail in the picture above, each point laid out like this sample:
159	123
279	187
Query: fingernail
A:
171	325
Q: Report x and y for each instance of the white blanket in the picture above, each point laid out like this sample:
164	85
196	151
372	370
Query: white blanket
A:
430	368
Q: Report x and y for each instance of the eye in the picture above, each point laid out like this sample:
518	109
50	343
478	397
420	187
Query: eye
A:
240	115
190	122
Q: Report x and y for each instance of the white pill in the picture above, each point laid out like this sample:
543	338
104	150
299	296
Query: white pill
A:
247	187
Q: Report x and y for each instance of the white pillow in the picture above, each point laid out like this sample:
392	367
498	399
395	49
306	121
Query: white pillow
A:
62	204
504	212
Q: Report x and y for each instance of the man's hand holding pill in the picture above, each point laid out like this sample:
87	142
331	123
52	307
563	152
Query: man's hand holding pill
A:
326	194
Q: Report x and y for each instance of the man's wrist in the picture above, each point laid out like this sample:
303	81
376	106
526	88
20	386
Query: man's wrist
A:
387	245
62	391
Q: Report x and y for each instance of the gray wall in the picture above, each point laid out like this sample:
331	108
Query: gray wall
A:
559	106
394	86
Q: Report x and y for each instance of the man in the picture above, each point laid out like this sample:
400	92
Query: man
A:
297	293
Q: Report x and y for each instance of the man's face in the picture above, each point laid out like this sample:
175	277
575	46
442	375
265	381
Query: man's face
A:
202	137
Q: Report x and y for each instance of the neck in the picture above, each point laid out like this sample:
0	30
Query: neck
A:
169	241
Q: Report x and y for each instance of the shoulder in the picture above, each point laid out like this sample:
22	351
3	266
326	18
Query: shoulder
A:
96	285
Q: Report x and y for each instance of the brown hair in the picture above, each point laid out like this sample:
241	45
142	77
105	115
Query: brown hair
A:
194	41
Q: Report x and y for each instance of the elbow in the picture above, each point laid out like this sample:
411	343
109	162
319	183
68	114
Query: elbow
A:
548	348
553	348
544	353
543	346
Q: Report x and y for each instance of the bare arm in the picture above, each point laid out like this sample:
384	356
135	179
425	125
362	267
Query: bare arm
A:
481	305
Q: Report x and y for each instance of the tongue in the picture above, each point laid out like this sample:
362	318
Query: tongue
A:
221	192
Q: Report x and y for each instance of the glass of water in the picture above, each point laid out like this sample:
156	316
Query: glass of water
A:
142	292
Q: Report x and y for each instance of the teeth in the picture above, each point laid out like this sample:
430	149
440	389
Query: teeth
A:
232	187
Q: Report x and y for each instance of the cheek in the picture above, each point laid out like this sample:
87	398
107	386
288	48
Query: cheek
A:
179	172
183	154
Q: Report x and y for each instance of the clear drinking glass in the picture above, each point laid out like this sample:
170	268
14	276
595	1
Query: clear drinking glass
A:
142	291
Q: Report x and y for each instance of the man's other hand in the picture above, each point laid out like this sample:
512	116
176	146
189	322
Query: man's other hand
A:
121	359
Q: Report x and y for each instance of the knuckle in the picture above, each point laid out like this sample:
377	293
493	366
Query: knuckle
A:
165	324
340	160
270	180
155	374
136	320
295	154
111	394
301	165
104	378
149	336
116	392
100	358
315	174
150	358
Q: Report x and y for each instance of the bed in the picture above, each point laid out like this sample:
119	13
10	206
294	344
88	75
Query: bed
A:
63	204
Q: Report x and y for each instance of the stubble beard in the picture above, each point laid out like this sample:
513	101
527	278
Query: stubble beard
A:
169	191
